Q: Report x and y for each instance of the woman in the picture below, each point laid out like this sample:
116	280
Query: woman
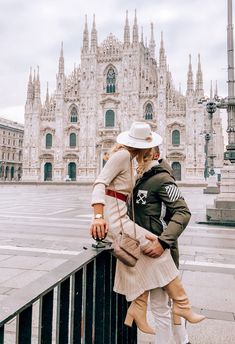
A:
113	185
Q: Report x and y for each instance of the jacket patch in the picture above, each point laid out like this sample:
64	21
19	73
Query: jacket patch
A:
141	197
173	192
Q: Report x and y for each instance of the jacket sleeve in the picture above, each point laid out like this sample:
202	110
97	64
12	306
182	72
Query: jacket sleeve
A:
177	211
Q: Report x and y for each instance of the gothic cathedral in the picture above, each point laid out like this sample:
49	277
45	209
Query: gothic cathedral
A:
68	136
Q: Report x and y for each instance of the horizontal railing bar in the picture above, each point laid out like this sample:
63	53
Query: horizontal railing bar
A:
16	303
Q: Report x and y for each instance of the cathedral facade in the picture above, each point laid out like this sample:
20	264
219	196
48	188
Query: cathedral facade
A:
67	137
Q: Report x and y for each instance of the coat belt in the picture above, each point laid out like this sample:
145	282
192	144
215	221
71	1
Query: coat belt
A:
116	194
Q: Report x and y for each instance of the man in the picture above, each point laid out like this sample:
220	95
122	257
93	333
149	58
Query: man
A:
161	209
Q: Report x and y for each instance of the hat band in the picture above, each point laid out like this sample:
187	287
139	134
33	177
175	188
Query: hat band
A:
148	138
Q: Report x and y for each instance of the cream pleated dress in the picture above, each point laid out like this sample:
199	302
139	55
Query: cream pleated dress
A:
148	273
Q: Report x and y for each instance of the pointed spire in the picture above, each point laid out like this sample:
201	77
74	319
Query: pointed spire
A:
47	96
85	46
190	78
38	74
61	60
126	32
216	90
142	35
211	91
162	56
135	34
37	89
30	90
152	44
94	42
199	80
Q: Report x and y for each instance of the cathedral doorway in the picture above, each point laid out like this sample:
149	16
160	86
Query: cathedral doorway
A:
12	172
47	171
72	171
7	173
176	166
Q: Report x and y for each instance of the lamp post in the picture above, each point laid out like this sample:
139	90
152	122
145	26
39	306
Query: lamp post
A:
211	109
212	187
206	171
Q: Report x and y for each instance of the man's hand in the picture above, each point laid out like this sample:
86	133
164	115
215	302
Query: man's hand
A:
154	249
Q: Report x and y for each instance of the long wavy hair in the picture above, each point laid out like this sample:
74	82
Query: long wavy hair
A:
143	156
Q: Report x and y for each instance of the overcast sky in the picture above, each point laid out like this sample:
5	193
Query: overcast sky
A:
31	32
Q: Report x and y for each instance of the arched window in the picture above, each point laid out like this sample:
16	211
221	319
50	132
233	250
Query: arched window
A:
148	112
110	81
73	115
48	140
72	140
175	137
109	118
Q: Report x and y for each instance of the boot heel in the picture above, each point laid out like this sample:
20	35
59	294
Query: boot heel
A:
176	319
129	320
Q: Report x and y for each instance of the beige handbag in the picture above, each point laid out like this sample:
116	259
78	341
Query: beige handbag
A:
125	247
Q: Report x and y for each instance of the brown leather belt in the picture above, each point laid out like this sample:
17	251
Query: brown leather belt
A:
116	194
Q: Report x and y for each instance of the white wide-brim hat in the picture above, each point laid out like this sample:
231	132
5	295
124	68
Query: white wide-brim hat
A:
139	136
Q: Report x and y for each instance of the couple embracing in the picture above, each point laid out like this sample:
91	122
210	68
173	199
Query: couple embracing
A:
161	215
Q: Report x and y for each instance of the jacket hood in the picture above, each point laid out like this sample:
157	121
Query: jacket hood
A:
163	166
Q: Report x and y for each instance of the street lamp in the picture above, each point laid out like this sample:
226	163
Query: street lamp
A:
211	109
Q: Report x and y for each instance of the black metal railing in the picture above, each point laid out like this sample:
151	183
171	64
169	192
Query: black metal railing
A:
73	304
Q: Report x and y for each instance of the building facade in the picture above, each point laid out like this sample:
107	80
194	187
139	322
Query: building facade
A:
11	149
116	83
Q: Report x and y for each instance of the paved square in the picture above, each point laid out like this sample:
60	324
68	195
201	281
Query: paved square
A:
43	226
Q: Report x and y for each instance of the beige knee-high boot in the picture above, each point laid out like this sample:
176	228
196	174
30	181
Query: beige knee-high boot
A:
181	306
138	312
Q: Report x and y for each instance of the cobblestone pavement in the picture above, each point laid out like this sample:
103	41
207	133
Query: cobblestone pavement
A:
49	224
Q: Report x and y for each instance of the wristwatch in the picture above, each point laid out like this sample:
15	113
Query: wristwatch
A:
99	216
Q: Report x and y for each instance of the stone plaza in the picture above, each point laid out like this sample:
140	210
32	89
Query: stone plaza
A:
43	226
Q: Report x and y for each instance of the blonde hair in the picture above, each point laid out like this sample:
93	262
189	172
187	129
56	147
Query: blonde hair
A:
143	156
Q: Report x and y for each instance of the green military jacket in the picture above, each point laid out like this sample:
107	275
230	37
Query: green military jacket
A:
159	206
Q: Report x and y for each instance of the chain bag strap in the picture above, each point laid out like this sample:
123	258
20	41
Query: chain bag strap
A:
126	248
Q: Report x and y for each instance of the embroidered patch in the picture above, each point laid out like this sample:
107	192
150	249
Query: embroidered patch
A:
173	192
141	197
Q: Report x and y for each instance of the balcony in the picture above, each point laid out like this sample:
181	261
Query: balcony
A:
108	131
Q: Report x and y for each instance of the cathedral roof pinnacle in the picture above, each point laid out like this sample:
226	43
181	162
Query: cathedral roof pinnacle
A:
216	89
190	83
61	60
126	32
142	35
199	80
93	36
47	95
211	91
152	44
85	47
135	34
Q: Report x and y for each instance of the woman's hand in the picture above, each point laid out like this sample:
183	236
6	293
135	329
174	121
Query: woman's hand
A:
99	229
